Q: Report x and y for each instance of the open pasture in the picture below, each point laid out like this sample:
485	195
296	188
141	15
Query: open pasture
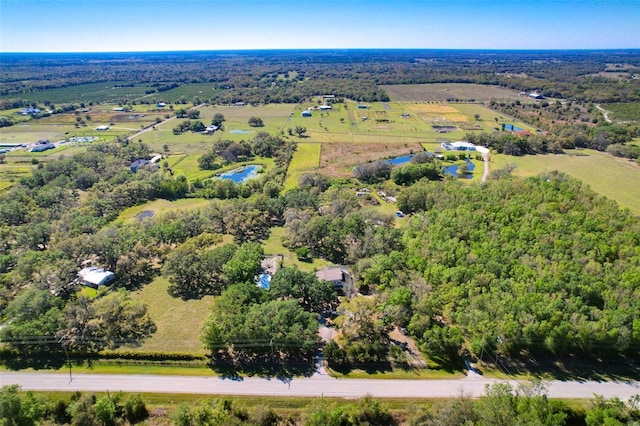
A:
338	160
160	206
306	159
33	131
624	112
178	321
442	92
12	170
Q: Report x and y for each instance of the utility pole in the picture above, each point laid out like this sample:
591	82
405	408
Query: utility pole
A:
67	354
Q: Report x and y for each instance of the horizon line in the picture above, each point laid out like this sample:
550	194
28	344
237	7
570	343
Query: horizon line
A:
298	49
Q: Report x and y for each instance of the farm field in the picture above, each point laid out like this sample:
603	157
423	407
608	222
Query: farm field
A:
615	178
442	92
336	139
306	159
236	120
338	160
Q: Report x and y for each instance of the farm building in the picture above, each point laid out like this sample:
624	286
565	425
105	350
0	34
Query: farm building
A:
94	277
102	128
306	113
210	130
458	146
138	164
41	146
161	105
536	95
30	111
325	107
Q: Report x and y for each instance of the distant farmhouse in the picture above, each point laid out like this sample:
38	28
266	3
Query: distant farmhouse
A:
102	128
94	277
210	130
43	145
536	95
30	111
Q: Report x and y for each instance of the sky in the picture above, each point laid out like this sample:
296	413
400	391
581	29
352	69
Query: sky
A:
163	25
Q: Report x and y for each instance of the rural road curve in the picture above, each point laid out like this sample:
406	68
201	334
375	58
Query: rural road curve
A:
318	385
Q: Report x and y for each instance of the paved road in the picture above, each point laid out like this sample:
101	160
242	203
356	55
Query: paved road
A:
318	385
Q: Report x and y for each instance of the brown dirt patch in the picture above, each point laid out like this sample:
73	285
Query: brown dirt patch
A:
338	159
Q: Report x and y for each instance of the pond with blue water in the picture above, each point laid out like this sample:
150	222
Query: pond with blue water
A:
241	174
453	170
512	128
449	170
400	160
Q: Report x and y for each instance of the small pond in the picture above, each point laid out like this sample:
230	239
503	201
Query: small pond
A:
241	174
240	132
453	170
512	128
400	160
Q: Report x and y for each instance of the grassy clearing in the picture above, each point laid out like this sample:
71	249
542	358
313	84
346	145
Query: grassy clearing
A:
305	159
440	92
273	246
624	111
161	206
178	321
615	178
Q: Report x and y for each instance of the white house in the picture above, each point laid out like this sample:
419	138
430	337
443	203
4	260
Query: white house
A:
94	277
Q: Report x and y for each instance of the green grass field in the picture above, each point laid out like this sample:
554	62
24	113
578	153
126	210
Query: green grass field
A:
161	206
305	159
623	111
178	322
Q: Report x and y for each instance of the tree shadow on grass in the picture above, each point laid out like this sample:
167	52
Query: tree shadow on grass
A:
51	361
235	367
575	368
